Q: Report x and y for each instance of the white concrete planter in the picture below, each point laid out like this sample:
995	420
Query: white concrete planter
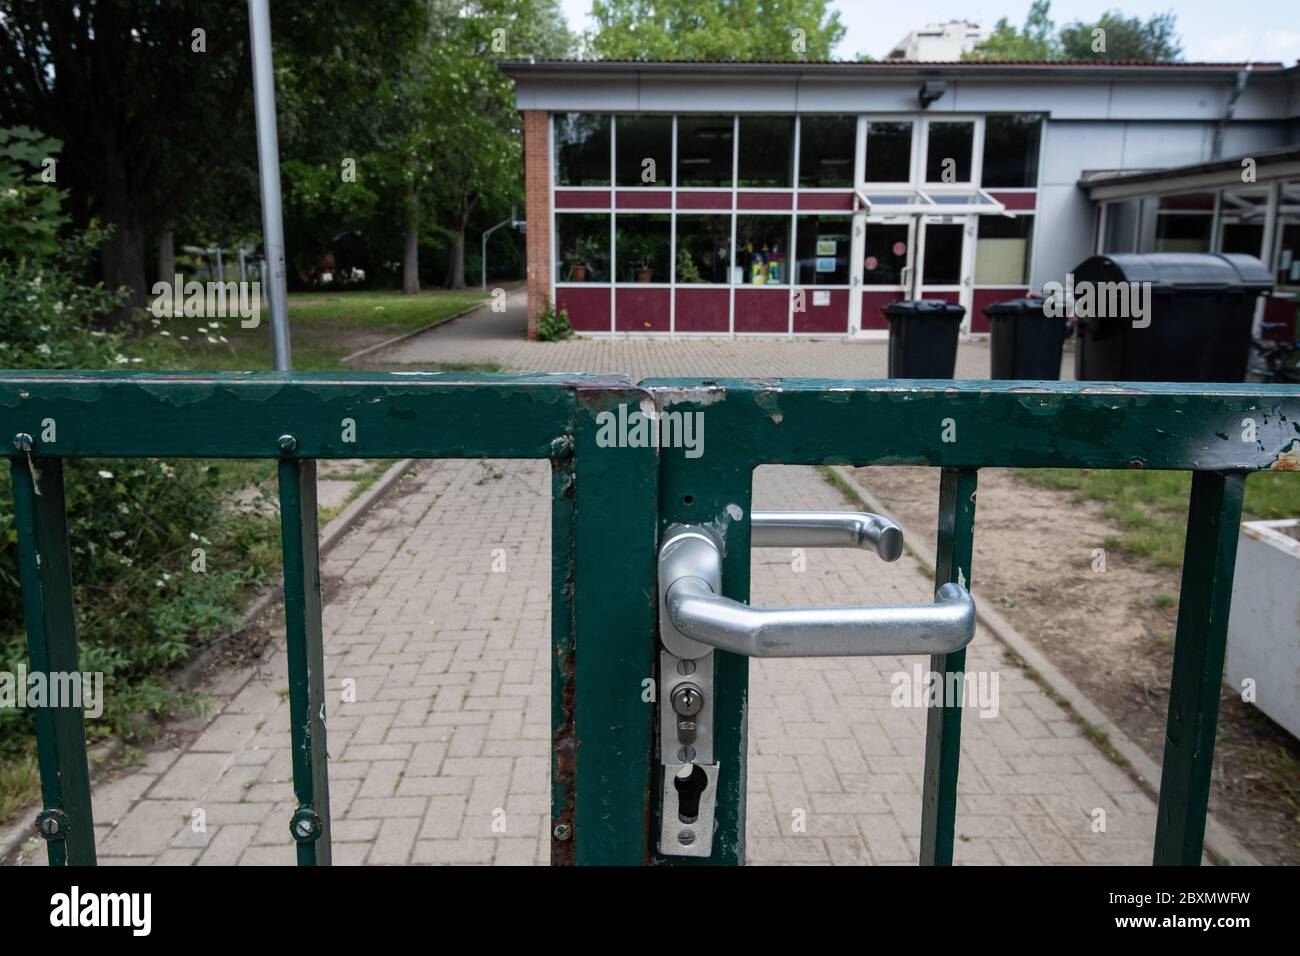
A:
1264	626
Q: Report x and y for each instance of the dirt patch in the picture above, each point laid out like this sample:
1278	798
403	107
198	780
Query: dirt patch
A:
1039	558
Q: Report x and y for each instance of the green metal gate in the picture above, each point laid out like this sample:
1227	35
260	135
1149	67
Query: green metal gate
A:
616	499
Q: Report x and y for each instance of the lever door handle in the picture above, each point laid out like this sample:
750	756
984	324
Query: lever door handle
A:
826	529
696	617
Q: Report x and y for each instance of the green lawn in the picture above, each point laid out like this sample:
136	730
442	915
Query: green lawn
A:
1151	506
323	328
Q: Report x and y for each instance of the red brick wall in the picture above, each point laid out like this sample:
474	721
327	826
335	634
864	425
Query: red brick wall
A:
537	210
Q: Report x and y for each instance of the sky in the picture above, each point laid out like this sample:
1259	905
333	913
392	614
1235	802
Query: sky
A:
1212	30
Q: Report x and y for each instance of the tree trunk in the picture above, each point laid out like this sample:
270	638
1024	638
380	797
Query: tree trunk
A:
123	260
411	259
456	261
167	253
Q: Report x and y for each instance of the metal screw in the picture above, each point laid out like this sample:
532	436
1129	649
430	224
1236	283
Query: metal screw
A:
23	441
686	837
288	443
562	447
562	831
686	667
686	754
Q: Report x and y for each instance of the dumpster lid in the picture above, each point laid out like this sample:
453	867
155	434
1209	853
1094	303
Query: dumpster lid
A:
936	307
1179	271
1021	306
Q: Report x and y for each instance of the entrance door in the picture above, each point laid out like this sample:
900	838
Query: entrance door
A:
888	266
945	260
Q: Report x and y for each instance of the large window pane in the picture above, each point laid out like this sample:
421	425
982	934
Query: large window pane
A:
1183	223
762	247
1011	151
642	247
943	253
581	149
948	152
889	152
704	150
823	248
1241	215
1002	250
644	150
826	151
582	250
703	248
766	150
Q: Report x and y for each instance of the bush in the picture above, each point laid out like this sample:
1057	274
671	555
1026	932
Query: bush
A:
133	525
554	326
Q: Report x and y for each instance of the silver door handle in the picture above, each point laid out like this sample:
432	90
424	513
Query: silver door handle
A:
945	626
696	617
826	529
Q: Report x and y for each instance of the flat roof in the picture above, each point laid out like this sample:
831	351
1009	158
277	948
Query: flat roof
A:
1104	68
1262	157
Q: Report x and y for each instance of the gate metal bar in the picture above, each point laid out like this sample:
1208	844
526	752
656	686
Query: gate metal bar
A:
943	723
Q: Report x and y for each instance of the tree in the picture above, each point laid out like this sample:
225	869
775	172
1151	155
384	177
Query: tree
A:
714	30
1116	37
152	100
1035	42
1111	37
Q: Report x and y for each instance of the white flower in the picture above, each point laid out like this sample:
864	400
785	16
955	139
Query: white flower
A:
183	338
194	536
212	340
136	361
43	349
165	332
105	474
121	359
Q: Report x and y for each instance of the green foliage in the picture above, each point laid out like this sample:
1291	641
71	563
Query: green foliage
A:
30	217
1036	41
1120	38
554	326
714	30
1125	38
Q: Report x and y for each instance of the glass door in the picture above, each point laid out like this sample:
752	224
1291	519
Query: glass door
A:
888	266
945	258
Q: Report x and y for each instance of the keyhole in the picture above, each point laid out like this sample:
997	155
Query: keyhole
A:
690	783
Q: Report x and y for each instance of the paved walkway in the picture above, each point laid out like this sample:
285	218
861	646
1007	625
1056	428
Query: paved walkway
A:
487	336
450	729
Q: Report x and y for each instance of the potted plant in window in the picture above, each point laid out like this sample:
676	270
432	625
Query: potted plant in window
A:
641	255
580	261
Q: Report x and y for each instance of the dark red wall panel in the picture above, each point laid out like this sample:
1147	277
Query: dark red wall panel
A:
588	308
820	319
641	310
702	310
763	310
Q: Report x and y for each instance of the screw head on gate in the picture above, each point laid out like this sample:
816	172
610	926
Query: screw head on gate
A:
23	441
562	447
305	825
288	443
52	824
562	831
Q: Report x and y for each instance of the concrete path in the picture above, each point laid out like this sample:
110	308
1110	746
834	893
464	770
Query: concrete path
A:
487	336
449	731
